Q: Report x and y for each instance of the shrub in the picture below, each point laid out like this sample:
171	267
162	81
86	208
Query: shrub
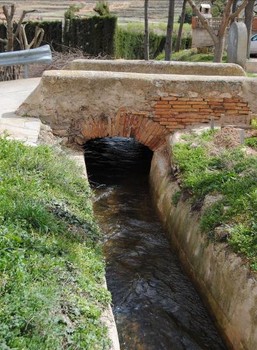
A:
129	44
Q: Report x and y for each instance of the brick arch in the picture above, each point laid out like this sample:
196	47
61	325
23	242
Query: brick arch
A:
139	126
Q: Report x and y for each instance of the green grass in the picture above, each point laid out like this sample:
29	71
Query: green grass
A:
191	55
252	142
251	75
51	264
231	174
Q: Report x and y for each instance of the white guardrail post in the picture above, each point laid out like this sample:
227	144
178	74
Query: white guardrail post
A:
41	54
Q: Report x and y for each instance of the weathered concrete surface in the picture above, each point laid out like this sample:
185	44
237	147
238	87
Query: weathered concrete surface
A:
225	283
251	65
81	105
12	94
157	67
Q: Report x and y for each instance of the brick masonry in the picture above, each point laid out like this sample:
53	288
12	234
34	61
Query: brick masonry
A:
168	114
178	113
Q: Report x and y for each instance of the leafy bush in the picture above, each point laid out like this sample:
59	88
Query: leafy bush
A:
51	264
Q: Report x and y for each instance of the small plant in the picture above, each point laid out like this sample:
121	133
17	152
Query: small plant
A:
102	8
251	142
254	123
71	12
176	197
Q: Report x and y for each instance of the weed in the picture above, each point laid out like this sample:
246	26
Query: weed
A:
176	197
51	264
251	142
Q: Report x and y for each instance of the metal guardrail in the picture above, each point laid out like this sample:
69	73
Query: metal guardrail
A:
41	54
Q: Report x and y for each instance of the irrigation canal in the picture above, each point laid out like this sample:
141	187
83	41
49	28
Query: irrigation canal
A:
155	305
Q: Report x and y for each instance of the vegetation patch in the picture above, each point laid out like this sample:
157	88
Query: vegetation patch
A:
191	55
209	170
51	263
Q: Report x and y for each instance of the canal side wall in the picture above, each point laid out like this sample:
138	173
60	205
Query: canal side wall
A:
223	280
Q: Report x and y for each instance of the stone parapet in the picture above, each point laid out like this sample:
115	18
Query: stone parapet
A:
157	67
82	105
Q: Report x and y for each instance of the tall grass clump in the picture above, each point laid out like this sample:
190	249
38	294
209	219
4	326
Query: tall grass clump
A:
51	264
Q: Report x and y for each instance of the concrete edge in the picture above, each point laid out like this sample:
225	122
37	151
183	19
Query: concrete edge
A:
158	67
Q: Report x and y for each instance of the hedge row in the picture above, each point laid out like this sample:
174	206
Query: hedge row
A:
97	35
130	45
94	35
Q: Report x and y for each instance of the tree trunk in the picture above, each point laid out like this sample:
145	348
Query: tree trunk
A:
227	18
168	43
248	22
218	49
182	20
146	37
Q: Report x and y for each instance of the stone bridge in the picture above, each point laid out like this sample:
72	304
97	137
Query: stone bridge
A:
144	100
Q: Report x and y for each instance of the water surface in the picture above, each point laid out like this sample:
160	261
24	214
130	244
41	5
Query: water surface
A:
154	303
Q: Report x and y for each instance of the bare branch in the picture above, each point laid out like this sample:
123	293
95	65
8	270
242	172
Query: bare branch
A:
23	15
239	9
225	18
23	38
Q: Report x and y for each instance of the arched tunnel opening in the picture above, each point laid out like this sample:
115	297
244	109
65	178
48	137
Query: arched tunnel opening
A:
113	159
154	303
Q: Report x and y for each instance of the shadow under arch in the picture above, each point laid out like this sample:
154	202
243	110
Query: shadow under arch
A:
113	159
128	125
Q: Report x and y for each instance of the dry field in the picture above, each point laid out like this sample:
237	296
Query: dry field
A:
127	11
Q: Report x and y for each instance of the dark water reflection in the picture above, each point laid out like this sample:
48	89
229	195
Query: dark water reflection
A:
154	303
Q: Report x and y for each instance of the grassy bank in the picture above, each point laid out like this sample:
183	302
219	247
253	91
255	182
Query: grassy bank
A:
51	264
214	172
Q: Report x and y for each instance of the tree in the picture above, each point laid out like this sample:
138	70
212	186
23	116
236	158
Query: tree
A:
146	36
227	17
181	23
168	42
218	7
16	34
249	12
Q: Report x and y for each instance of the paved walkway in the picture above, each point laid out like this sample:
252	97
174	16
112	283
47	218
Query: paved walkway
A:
12	94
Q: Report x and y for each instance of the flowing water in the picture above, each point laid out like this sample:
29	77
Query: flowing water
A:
154	303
